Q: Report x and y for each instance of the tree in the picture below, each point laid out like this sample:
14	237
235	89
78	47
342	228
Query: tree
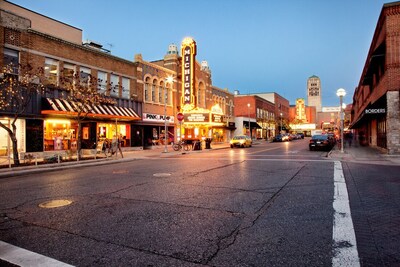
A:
83	92
18	86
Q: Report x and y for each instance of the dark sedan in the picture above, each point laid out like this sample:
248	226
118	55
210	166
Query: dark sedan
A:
281	138
320	142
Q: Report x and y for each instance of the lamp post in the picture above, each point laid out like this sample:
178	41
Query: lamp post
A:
281	123
341	93
169	80
248	110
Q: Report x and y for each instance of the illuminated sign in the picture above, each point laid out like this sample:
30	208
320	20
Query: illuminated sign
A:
157	118
197	117
217	118
186	75
375	111
188	62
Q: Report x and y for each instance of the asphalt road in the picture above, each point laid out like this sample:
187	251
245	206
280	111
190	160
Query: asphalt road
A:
269	205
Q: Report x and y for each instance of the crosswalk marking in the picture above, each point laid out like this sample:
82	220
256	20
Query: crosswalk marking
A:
23	257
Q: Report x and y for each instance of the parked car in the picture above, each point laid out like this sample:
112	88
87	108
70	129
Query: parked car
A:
320	142
301	135
241	141
281	138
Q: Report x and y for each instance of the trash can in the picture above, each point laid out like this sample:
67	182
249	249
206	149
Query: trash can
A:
208	143
197	145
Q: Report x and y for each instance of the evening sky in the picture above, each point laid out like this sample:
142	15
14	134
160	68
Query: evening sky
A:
251	46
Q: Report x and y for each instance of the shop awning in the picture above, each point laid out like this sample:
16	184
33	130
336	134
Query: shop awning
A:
58	106
252	125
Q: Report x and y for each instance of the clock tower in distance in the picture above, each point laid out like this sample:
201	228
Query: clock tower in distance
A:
314	93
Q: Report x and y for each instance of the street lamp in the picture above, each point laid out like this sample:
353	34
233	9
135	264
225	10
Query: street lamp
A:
169	80
341	93
248	110
281	123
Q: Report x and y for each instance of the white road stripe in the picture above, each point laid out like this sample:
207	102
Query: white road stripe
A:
344	239
23	257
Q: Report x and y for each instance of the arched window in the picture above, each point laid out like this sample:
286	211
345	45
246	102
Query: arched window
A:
168	88
161	93
154	90
147	89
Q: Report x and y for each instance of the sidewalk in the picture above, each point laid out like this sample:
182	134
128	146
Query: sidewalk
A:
129	155
363	154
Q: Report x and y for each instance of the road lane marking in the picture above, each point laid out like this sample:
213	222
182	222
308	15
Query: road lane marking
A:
344	239
23	257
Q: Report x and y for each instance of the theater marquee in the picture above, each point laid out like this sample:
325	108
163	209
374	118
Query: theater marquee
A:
188	64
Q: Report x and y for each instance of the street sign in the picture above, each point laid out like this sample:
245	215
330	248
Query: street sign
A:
179	116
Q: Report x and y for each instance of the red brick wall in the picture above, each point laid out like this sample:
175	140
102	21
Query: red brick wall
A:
43	46
393	47
241	108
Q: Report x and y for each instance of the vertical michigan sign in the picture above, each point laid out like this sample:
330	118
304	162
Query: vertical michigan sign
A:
188	65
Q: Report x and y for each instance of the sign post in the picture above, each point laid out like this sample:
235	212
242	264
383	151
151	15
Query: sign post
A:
180	117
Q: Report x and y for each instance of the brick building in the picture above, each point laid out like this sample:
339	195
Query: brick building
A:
208	113
257	111
281	110
56	48
140	95
376	101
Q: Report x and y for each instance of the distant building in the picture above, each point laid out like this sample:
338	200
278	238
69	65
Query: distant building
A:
257	112
314	93
281	109
329	119
376	100
302	117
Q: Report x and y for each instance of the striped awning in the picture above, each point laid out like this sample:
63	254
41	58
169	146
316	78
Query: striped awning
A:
57	106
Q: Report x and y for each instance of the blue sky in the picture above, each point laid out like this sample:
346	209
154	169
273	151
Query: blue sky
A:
251	46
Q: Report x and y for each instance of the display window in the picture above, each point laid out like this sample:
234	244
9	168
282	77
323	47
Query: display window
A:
111	130
59	135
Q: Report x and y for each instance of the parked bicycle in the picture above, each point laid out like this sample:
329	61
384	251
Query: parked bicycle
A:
181	145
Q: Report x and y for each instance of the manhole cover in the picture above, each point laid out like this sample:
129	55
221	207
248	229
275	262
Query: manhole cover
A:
161	174
55	203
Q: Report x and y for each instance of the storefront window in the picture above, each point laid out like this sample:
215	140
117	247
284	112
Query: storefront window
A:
59	135
107	131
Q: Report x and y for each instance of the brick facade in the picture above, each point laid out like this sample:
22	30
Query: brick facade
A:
375	111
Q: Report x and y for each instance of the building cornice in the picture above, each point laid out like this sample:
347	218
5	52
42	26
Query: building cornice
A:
88	49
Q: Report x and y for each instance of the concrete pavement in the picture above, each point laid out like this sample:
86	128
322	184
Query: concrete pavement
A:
363	154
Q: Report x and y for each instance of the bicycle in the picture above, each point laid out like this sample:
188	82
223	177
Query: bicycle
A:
181	145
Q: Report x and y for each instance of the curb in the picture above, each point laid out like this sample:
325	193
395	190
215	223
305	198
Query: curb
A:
18	171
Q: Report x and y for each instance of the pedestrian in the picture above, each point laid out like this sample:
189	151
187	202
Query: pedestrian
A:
120	144
350	138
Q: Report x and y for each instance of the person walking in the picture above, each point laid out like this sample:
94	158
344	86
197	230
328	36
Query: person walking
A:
120	144
350	138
